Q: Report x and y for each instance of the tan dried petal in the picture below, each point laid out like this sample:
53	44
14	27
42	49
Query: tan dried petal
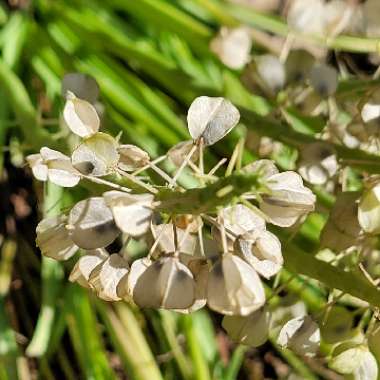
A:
53	238
91	224
211	118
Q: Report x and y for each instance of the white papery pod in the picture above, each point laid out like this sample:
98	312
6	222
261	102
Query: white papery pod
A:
80	116
356	360
166	284
138	267
39	168
187	243
85	265
132	157
302	335
370	112
82	85
290	307
262	250
318	163
324	79
271	72
307	16
97	155
342	229
107	275
91	224
264	168
211	118
251	330
234	288
233	46
132	212
240	219
369	210
288	199
180	151
54	166
53	239
200	270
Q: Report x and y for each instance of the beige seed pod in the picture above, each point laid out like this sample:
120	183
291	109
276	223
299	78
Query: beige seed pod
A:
211	119
234	288
166	284
39	168
342	229
180	151
240	219
97	155
107	275
233	46
271	73
187	243
91	224
307	16
251	330
85	265
80	116
318	163
302	335
265	168
53	239
370	112
354	359
132	157
369	210
288	199
262	250
132	212
324	79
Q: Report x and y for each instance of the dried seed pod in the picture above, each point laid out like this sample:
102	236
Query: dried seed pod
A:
354	359
307	16
97	155
233	46
107	275
288	199
271	72
132	157
371	9
370	112
289	307
80	116
85	265
240	219
180	151
132	212
53	239
342	228
166	284
262	250
234	288
166	244
302	335
251	330
82	85
318	163
211	118
324	79
298	65
53	166
91	224
369	210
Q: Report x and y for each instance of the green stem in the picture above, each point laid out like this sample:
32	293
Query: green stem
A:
236	362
